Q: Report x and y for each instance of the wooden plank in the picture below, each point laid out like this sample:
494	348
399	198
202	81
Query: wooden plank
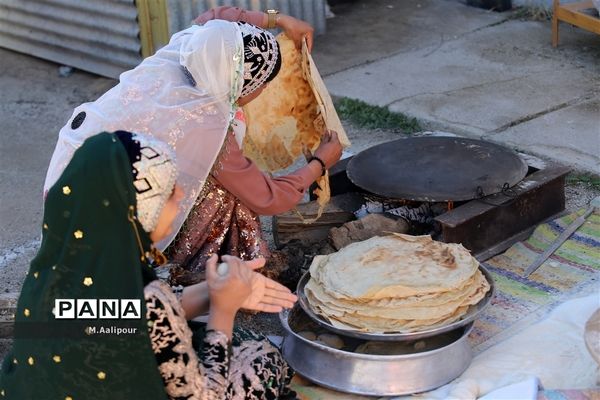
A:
518	237
570	13
289	225
555	24
154	25
475	208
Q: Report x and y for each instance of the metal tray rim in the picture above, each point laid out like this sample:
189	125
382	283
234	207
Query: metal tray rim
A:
473	312
283	316
289	350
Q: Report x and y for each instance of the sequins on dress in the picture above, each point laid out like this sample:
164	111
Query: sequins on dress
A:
202	365
219	223
224	218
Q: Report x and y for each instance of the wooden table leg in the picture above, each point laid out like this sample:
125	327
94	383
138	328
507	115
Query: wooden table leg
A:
555	23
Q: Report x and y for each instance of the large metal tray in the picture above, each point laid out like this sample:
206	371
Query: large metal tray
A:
472	313
393	374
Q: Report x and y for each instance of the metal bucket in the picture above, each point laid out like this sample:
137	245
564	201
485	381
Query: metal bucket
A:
441	359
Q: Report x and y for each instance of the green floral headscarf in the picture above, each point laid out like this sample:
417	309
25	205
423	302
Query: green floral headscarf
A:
91	249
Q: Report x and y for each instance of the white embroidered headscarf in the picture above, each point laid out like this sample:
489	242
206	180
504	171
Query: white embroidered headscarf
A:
185	95
154	173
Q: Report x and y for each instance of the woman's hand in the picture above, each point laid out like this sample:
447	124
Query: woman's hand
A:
267	295
330	149
229	291
296	30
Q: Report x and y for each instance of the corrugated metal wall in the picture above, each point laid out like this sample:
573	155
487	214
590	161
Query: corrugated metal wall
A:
182	12
99	36
103	36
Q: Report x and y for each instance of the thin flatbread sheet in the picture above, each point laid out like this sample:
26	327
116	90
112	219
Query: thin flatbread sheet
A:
289	117
396	283
393	266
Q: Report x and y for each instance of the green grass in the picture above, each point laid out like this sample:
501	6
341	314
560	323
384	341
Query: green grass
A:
374	117
587	179
532	13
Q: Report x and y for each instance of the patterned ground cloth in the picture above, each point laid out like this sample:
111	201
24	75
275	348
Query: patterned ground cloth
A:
309	391
573	270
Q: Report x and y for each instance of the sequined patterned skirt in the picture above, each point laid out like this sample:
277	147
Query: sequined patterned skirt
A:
218	224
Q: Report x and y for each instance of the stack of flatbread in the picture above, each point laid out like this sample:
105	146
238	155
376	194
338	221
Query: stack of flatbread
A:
397	283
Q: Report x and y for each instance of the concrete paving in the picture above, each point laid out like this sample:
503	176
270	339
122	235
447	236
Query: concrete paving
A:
34	104
364	31
473	72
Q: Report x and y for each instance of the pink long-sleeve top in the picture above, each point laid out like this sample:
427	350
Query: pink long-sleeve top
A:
239	175
232	14
258	191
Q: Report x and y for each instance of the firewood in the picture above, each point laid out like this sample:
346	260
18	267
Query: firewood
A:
366	228
291	225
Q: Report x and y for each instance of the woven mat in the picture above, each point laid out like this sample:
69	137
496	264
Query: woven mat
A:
573	270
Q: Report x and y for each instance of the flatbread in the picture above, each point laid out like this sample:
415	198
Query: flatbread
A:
291	114
421	313
385	325
280	121
397	283
399	308
394	266
289	117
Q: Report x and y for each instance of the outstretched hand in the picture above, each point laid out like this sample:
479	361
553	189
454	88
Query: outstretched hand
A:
266	294
228	290
241	287
297	30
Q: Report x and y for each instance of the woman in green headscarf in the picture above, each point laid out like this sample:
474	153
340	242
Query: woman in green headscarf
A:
118	195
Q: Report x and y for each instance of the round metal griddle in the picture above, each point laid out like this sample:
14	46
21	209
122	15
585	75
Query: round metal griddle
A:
436	169
472	313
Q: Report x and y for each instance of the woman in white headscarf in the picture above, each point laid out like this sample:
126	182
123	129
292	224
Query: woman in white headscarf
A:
189	95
